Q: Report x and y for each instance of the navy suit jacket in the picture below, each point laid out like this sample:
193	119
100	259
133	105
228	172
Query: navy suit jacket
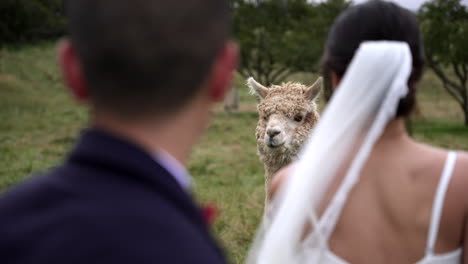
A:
110	202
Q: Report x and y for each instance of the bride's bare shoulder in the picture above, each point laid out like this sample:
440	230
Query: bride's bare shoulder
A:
462	162
430	156
278	180
434	152
459	181
460	172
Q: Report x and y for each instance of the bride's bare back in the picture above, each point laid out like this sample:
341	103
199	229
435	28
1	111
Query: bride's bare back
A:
387	215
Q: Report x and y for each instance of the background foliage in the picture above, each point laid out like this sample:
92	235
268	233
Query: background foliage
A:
27	20
445	28
281	37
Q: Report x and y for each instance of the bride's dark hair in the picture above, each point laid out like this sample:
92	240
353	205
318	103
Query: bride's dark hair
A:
375	20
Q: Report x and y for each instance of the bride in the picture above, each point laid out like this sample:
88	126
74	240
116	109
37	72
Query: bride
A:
363	190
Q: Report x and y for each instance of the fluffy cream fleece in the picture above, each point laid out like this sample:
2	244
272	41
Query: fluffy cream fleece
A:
285	101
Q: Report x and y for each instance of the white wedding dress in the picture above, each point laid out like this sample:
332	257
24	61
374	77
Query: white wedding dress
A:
364	102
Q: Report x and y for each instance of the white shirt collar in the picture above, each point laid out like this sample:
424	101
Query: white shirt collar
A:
174	167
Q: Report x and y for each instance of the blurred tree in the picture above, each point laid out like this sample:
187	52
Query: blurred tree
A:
329	11
25	20
445	28
280	37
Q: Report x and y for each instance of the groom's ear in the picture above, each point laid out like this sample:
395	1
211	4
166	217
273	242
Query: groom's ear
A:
72	71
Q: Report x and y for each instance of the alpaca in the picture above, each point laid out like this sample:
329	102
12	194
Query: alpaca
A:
287	114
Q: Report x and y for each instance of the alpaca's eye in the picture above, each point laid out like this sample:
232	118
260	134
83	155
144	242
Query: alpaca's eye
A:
265	118
298	118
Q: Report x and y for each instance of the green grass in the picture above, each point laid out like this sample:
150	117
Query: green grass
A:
39	123
227	173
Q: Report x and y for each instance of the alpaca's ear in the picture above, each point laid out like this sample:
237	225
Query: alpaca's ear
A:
257	89
313	91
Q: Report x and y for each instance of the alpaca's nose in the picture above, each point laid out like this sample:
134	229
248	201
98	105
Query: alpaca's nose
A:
273	132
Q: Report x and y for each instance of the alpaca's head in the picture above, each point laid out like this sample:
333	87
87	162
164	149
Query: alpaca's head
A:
287	114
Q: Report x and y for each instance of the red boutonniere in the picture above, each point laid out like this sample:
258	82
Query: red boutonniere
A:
209	213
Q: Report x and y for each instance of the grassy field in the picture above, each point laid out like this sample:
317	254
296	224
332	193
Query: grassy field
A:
39	123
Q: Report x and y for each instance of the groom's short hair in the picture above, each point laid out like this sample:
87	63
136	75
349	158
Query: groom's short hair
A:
146	57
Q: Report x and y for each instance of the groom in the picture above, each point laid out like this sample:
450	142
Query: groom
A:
150	72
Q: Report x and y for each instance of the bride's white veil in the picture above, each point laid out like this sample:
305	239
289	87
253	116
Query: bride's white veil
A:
364	102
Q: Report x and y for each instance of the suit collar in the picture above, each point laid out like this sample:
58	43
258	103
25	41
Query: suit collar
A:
174	167
100	149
